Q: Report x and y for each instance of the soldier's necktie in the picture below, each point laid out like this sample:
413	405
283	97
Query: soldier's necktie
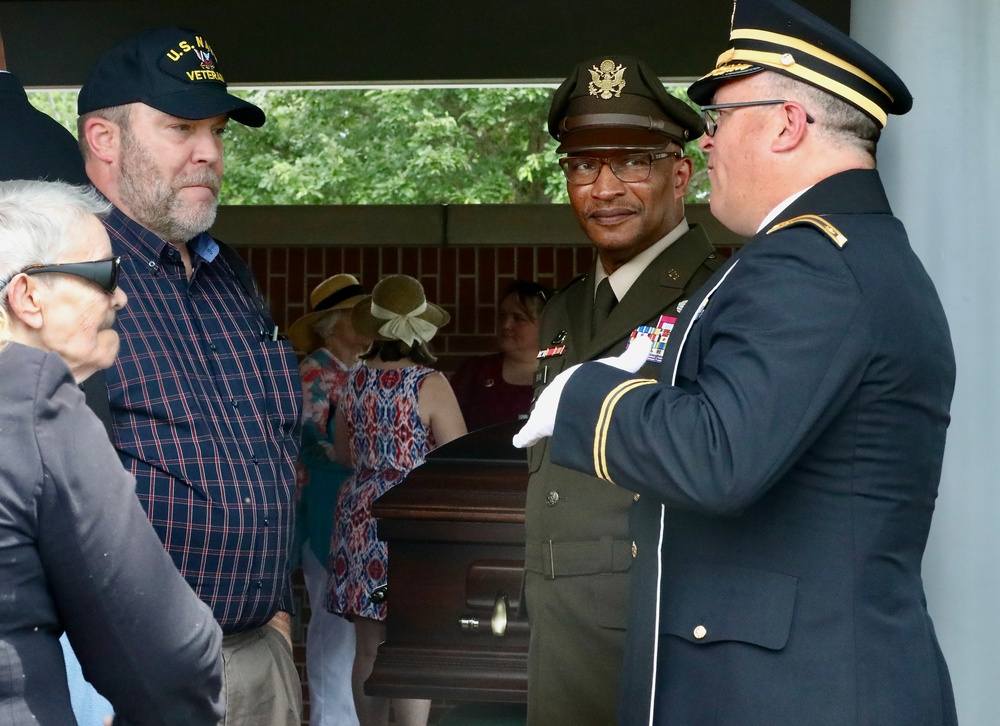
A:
604	303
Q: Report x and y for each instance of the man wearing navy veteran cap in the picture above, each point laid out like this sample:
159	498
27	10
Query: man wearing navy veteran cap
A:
626	173
205	397
788	451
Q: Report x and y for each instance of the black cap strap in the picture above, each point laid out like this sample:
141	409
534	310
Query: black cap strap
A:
627	120
338	297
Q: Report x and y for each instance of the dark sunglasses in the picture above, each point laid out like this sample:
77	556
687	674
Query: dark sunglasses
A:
103	273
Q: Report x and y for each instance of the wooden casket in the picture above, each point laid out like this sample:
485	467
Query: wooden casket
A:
455	532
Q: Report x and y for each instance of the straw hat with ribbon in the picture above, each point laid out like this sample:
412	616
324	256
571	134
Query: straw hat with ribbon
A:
340	292
397	309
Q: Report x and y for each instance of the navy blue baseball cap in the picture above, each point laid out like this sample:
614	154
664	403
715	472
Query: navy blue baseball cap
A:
173	70
780	36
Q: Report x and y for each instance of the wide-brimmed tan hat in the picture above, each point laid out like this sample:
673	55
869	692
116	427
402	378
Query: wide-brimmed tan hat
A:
340	292
397	309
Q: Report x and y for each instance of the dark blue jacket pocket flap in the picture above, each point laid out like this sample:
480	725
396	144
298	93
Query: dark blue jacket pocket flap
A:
710	603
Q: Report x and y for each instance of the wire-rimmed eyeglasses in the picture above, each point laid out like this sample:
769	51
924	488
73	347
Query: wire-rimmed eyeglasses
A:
627	168
710	113
103	273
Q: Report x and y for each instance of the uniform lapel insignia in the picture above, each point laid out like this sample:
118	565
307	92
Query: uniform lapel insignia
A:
556	347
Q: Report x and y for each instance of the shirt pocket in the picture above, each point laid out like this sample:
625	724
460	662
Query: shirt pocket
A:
711	603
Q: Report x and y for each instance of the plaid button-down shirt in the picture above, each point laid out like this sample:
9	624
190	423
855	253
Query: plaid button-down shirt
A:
206	408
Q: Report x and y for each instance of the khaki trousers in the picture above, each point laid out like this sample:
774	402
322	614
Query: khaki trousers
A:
259	680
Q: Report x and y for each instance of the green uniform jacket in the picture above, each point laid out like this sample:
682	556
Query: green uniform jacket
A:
578	549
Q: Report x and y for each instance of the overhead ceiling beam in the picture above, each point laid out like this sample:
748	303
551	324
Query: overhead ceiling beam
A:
258	42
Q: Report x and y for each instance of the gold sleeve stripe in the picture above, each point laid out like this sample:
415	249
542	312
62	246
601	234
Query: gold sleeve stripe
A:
813	50
816	221
604	422
773	60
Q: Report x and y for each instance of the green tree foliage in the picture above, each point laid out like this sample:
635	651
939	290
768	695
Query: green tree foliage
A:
394	146
485	145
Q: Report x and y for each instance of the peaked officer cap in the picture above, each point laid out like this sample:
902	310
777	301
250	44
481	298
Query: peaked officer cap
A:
780	36
618	102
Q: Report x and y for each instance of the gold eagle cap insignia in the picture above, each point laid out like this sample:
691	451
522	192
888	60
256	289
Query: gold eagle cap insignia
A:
607	80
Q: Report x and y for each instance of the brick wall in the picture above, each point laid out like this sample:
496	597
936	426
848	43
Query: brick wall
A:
466	281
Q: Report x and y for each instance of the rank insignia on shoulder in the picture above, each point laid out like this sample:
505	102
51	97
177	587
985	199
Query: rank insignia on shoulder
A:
659	333
816	221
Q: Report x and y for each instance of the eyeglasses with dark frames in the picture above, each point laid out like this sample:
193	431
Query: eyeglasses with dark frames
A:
103	273
627	168
710	112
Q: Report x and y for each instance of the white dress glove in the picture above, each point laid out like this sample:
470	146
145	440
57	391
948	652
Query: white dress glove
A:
542	421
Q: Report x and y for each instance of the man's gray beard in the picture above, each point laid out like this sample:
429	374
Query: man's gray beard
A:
156	206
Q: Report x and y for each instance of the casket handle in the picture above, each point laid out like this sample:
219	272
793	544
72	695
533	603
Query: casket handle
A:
498	623
498	620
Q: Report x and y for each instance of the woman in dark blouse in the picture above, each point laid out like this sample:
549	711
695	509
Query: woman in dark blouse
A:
496	388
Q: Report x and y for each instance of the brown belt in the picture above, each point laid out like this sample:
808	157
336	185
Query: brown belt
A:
566	559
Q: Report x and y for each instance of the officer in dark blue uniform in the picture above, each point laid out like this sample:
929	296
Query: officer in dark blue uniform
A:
626	174
788	452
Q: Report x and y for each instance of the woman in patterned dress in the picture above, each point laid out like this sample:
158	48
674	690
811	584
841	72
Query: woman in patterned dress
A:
393	410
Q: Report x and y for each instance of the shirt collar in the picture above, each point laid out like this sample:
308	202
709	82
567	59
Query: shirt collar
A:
625	276
782	207
202	244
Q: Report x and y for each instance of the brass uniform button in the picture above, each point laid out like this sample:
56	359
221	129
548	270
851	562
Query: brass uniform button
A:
700	632
552	498
635	497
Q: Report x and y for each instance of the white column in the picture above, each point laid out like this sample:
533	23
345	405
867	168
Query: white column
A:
941	166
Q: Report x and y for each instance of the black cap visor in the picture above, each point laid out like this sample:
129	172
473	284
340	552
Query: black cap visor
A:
703	90
200	103
613	137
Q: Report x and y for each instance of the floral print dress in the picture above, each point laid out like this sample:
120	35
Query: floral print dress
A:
387	441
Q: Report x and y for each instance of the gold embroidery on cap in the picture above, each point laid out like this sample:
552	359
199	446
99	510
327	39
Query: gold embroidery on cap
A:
608	80
731	68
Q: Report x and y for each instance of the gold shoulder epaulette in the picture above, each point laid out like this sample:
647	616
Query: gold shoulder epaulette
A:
816	221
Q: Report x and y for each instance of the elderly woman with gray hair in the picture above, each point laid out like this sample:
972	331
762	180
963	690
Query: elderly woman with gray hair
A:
333	345
77	552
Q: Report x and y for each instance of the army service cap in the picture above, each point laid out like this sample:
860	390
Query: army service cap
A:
618	102
780	36
173	70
